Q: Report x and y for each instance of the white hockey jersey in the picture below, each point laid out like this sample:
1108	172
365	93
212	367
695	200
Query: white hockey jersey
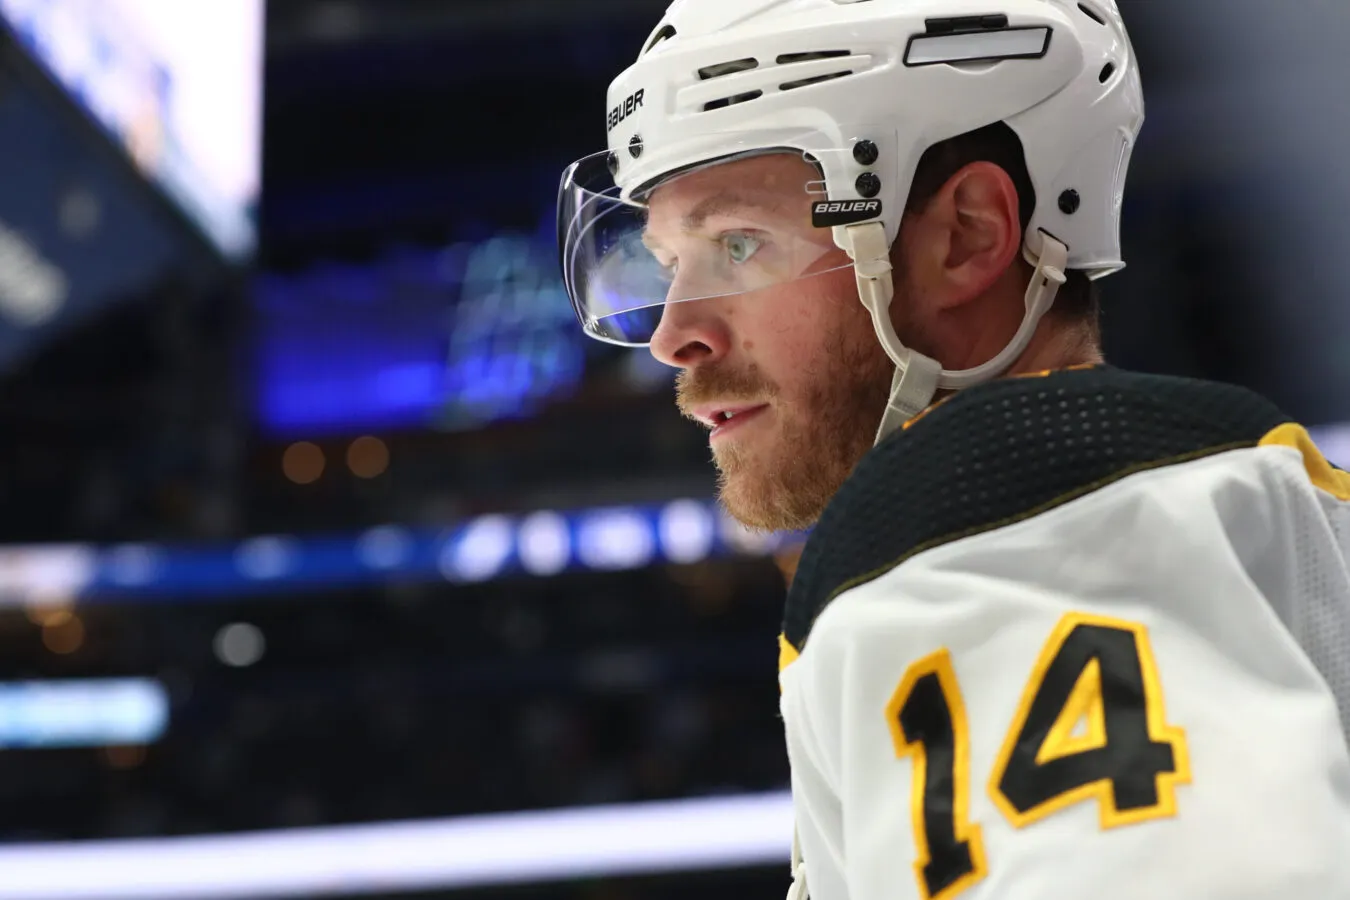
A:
1077	635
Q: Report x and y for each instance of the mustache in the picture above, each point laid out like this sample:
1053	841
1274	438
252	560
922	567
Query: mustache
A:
721	384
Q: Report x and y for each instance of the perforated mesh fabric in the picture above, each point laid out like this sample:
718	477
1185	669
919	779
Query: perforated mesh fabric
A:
1004	451
1317	610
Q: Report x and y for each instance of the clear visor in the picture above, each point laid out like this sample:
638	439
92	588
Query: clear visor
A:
736	226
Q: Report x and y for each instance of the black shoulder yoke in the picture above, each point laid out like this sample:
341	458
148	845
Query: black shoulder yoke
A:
1002	452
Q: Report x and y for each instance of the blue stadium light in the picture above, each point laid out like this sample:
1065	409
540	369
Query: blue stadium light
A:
686	531
82	713
387	547
480	551
454	338
615	539
538	544
266	558
545	543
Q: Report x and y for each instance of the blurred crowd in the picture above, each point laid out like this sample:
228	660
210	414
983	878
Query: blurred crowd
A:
414	701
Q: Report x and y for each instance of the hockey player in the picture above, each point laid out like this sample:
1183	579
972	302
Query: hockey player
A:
1060	630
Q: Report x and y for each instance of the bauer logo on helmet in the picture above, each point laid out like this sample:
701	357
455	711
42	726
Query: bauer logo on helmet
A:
828	213
624	110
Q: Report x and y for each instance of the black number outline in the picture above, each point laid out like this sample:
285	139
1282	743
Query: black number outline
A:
1135	690
927	817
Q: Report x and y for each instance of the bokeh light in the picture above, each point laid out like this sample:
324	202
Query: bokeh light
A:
368	457
303	462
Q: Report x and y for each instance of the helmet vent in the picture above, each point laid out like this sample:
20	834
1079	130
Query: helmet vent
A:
789	58
807	68
1092	14
665	33
727	68
805	82
732	101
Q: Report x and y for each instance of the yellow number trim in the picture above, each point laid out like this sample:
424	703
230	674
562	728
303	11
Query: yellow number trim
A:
938	663
1084	703
1158	730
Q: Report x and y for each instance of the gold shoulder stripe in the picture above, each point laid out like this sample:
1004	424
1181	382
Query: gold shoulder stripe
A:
787	654
1322	473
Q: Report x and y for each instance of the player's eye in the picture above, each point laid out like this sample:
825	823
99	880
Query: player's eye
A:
740	246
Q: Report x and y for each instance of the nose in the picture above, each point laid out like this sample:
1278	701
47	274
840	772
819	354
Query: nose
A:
691	333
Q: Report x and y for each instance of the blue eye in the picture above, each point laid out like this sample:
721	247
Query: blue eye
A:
740	246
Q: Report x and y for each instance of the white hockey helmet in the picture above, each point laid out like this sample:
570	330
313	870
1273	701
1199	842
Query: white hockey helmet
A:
860	89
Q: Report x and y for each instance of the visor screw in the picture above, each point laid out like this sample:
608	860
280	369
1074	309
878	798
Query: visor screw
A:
613	163
635	146
1069	201
868	185
866	152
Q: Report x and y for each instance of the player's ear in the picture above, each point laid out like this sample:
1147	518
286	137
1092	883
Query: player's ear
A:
975	232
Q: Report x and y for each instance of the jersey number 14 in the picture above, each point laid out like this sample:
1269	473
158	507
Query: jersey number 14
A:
1090	725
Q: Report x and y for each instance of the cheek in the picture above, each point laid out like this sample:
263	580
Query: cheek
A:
802	328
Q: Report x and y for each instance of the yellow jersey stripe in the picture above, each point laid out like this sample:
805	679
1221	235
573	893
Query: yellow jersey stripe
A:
1323	474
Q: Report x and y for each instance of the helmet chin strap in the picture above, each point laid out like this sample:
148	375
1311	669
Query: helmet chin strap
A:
917	377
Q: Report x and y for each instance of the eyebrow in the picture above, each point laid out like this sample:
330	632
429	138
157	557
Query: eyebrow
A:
716	205
719	205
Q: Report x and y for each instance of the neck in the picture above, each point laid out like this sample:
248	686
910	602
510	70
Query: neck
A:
978	331
1057	345
1054	345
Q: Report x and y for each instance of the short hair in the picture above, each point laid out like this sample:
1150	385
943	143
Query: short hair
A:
1078	300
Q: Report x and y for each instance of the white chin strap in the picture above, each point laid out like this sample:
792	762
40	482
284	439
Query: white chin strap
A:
917	377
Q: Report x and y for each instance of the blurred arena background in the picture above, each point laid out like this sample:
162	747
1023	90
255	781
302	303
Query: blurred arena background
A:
336	561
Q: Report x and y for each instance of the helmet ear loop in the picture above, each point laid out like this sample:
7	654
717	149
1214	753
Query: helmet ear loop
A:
917	377
1049	276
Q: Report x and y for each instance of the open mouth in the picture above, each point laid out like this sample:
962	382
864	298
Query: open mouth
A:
726	421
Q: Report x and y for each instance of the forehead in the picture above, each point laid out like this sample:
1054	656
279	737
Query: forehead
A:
770	185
